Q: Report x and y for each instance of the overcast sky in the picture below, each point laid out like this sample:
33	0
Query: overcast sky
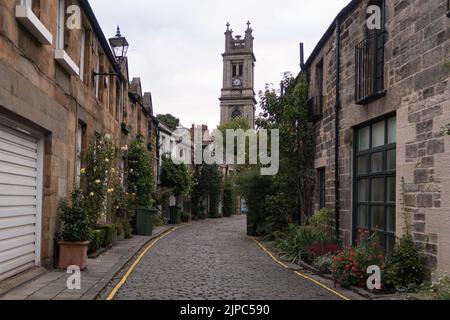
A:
176	45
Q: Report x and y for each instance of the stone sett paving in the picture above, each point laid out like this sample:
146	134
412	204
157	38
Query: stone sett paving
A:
214	260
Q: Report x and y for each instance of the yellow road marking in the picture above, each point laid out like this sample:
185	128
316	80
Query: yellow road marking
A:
130	270
299	273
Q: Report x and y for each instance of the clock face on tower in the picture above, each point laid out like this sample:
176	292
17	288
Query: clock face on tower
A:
237	82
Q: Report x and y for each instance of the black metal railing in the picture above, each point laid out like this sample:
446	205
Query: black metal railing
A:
369	68
315	108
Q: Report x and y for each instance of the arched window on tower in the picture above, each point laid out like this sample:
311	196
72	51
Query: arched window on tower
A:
236	114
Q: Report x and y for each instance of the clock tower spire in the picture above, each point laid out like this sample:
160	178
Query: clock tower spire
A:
238	95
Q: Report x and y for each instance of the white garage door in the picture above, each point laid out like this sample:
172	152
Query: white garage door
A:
20	201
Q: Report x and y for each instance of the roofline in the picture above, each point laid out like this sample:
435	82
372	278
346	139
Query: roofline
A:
101	36
342	14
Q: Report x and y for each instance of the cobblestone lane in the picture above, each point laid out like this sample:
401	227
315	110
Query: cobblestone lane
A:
214	259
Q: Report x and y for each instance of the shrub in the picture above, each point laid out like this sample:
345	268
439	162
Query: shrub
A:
110	234
318	249
296	241
350	266
324	263
404	266
228	197
442	288
140	174
97	240
75	218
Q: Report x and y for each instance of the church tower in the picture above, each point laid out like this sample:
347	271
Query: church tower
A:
238	95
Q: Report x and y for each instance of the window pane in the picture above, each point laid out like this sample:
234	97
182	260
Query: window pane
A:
378	134
392	130
378	220
363	217
391	161
391	219
363	167
378	190
363	190
390	243
391	190
377	162
363	139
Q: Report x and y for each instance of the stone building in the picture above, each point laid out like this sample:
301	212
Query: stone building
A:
380	100
58	87
238	96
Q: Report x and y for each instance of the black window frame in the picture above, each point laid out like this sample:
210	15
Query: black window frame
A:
369	62
384	234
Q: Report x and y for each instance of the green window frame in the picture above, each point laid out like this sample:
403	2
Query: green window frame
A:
374	201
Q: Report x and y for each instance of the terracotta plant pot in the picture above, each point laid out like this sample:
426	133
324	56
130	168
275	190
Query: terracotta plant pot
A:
73	254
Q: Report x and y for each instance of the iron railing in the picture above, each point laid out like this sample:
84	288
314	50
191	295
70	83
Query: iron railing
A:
369	68
315	108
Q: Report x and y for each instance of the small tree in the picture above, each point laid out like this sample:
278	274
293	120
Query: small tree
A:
175	176
169	120
140	174
228	198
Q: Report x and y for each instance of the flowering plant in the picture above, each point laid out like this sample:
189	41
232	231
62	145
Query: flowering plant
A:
350	265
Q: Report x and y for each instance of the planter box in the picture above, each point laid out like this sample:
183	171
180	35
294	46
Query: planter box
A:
73	254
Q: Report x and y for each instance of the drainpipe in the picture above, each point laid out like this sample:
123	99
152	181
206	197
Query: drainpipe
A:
336	148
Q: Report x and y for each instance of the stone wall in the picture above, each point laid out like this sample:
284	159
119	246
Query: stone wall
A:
417	89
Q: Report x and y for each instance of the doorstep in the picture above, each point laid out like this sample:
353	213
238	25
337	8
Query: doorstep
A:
51	284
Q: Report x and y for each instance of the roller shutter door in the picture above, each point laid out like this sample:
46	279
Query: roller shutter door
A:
19	201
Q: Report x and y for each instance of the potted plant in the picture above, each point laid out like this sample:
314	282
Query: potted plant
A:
76	232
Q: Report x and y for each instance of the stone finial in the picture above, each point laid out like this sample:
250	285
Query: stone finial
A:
228	26
248	25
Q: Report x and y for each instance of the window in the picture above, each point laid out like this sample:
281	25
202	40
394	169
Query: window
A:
236	114
61	26
119	101
322	186
238	70
375	179
28	13
316	101
369	63
82	53
81	144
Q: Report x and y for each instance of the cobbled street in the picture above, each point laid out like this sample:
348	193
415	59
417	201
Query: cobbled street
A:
214	259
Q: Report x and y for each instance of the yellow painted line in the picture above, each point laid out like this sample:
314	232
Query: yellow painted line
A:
299	273
130	270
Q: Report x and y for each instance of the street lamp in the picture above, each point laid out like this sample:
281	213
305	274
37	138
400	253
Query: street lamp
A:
119	45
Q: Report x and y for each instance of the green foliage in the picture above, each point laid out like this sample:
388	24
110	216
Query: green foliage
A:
255	188
324	263
110	234
294	243
404	266
228	199
293	186
75	218
442	288
206	182
140	174
97	240
175	176
350	266
96	176
169	120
